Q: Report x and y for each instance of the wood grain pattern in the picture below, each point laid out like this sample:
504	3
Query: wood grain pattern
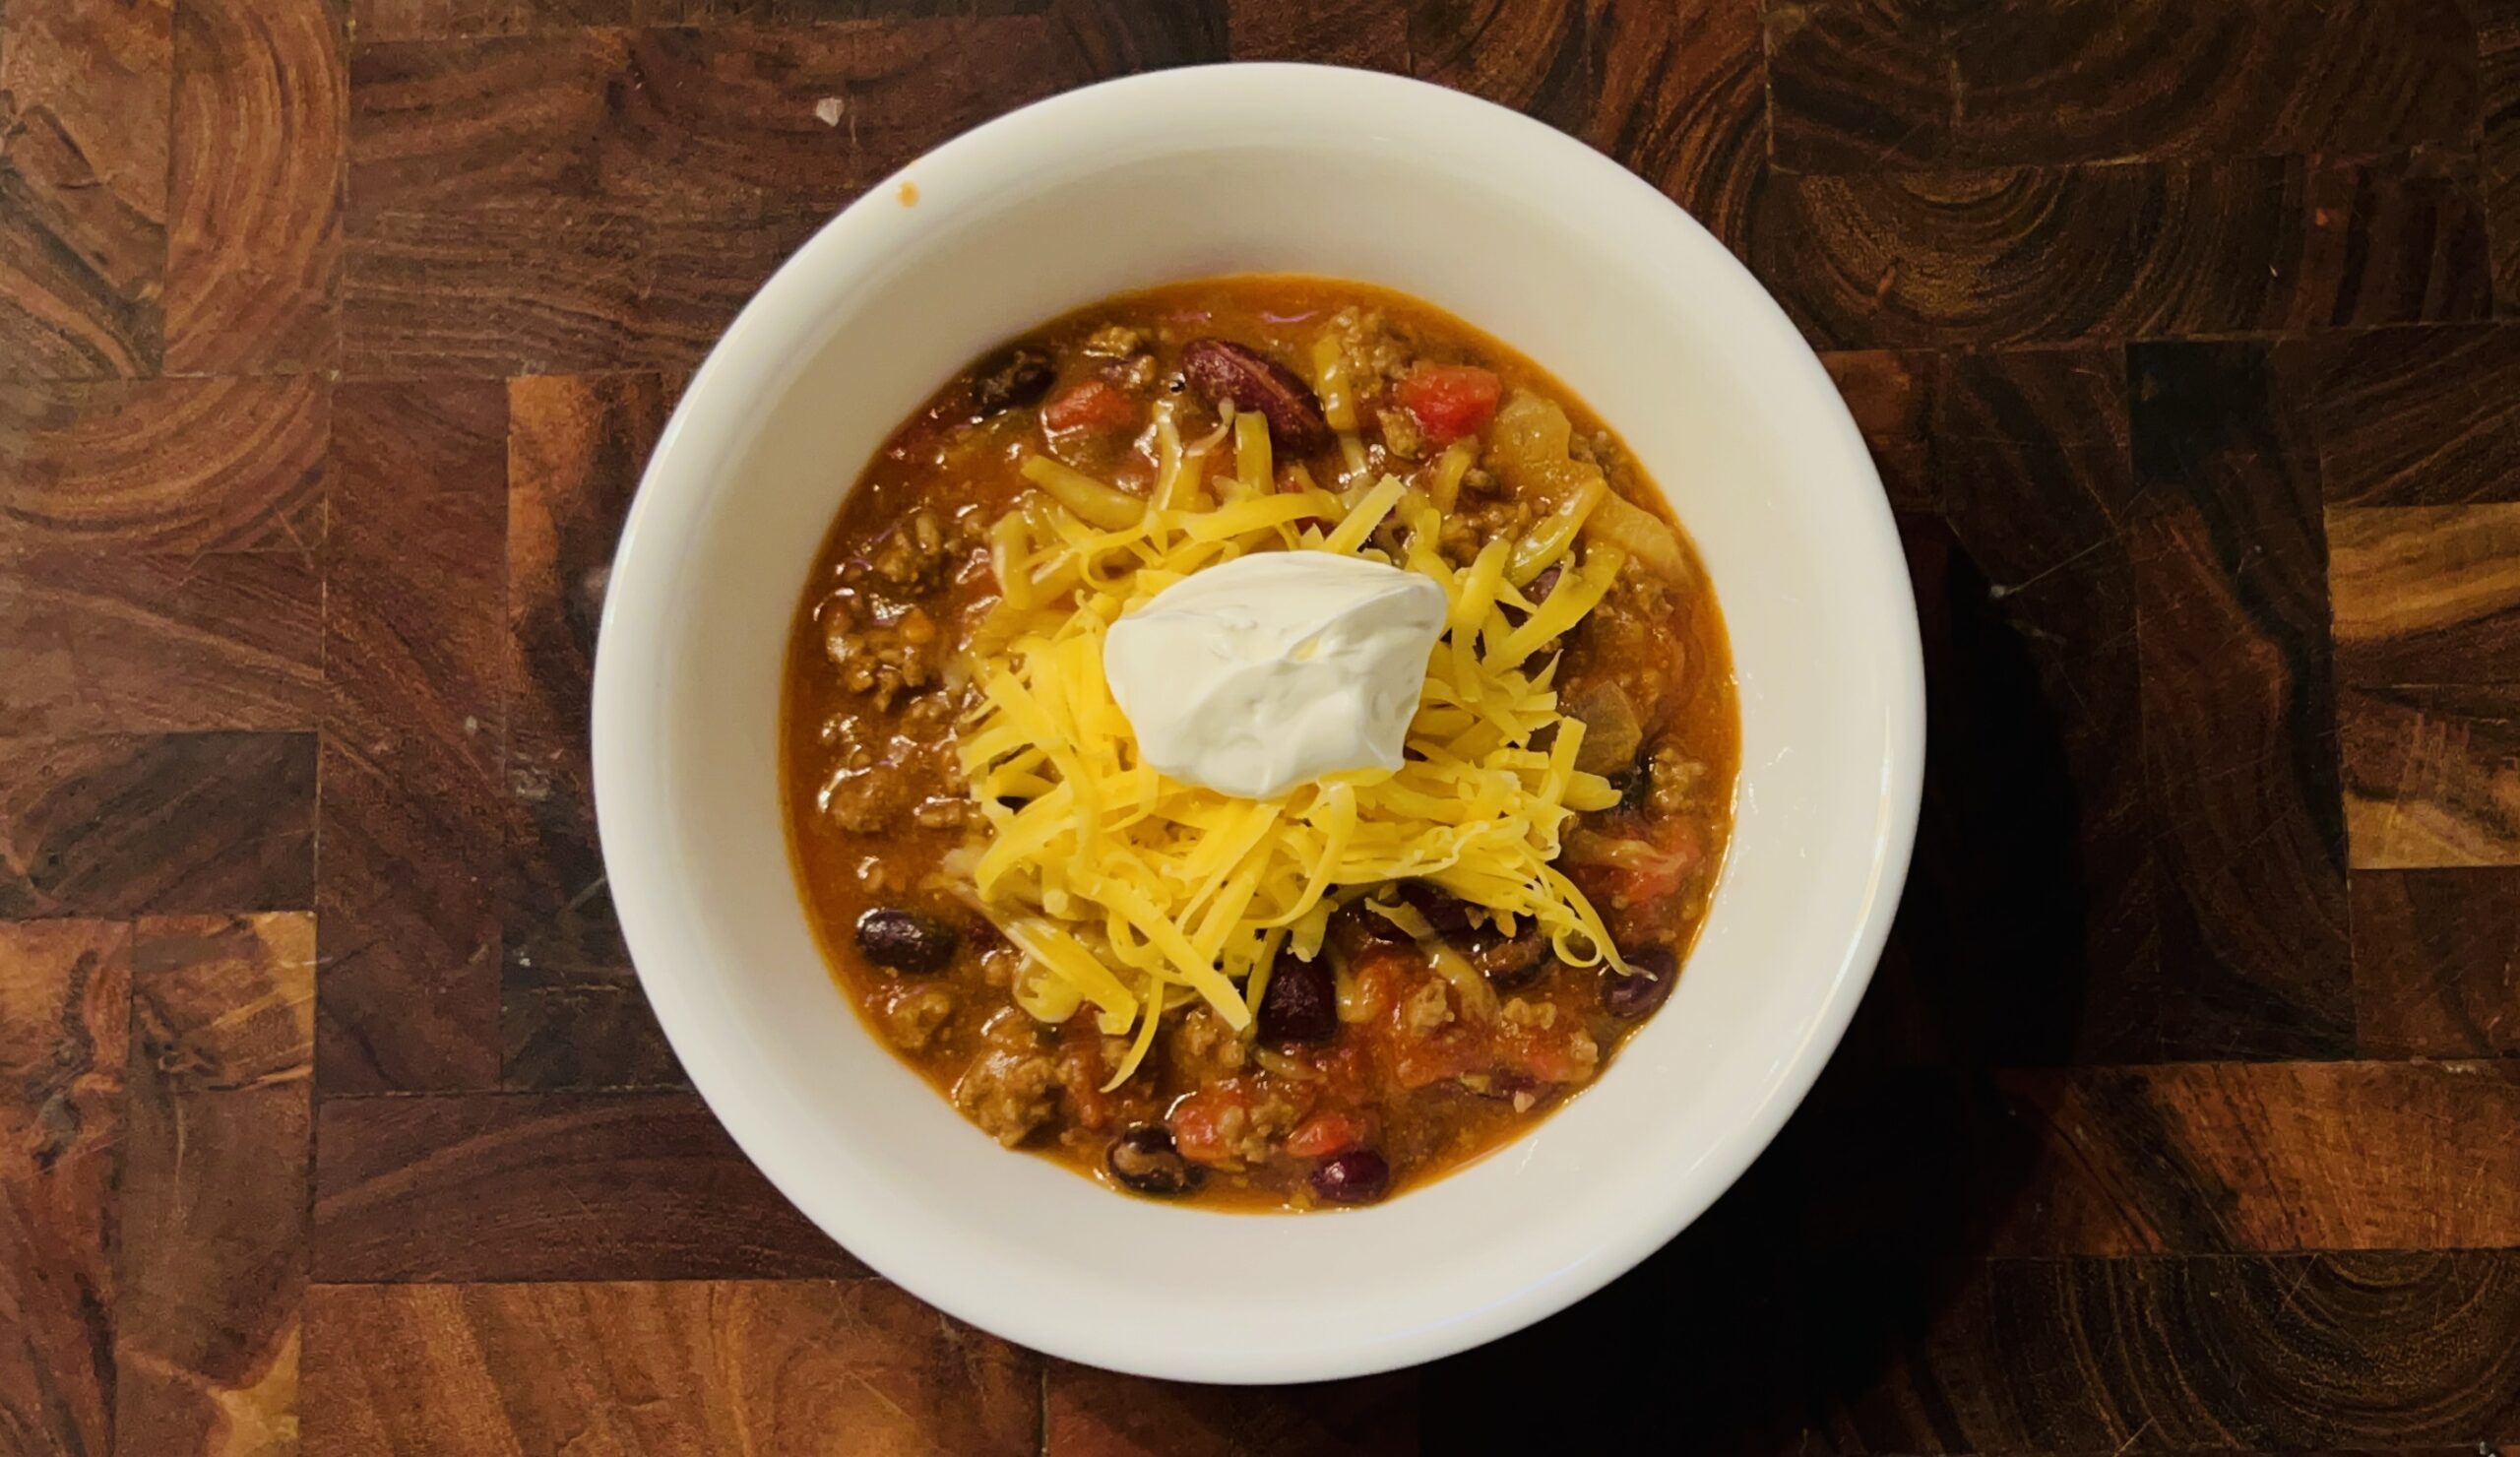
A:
2241	754
1866	85
2425	594
1923	259
223	1003
2415	416
2498	43
2229	1158
628	1367
253	239
1115	38
214	1192
2426	1339
160	643
1100	1414
132	823
166	464
82	186
413	615
65	1009
1373	34
570	1010
2431	775
546	289
2437	962
1674	91
441	20
1891	395
687	119
548	1187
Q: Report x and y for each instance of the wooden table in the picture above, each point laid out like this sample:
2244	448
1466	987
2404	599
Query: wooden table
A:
2184	1113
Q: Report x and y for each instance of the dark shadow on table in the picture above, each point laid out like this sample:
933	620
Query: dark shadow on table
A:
1794	1315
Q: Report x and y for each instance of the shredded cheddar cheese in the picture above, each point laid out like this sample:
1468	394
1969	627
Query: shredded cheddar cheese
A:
1132	894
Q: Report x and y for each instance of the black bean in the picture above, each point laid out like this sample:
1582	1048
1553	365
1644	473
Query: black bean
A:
1146	1160
1510	963
1300	1003
905	942
1222	371
1539	587
1443	909
1656	971
1356	1177
1012	377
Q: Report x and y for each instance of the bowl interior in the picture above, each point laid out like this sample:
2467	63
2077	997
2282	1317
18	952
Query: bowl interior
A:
1262	168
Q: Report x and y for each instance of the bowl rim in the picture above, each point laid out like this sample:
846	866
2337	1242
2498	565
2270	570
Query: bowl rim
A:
719	407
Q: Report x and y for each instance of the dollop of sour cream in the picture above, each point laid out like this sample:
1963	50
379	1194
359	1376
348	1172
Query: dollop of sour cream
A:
1273	669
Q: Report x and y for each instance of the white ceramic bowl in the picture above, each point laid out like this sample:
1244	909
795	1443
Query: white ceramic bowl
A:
1525	233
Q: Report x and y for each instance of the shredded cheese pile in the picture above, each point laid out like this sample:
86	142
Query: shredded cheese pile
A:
1137	894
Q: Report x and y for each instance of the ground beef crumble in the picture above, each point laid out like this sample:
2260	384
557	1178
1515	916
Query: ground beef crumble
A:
1011	1086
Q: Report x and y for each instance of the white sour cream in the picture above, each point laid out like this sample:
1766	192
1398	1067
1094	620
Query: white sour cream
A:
1273	669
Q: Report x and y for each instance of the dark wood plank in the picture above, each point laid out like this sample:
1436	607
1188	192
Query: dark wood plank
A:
538	288
1371	34
1117	37
2437	962
682	118
2415	416
1921	259
65	1009
1674	91
1860	85
2498	42
2217	78
1891	395
2231	1157
570	1010
253	239
1866	85
223	1003
2036	772
2425	594
2431	775
179	822
82	187
443	20
548	1187
1094	1413
160	643
2158	1354
413	615
2312	1353
2239	748
705	1366
165	465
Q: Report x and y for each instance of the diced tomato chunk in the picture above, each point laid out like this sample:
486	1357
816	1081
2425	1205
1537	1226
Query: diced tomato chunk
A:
1198	1124
1090	404
1450	401
1325	1133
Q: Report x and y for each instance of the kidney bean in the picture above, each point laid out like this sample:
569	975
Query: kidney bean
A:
1300	1003
1012	377
1356	1177
1146	1160
1442	908
905	942
1222	371
1631	997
